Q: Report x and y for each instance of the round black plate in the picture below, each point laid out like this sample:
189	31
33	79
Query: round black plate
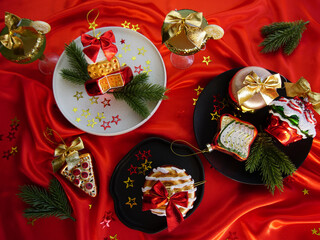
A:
205	129
160	154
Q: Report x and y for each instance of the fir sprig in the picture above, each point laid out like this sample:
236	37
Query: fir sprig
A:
78	72
270	161
46	203
138	92
286	35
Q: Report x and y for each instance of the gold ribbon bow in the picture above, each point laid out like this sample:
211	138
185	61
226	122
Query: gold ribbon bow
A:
10	40
302	89
70	154
176	24
267	87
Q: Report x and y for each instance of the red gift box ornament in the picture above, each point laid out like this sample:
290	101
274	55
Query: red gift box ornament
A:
93	45
159	196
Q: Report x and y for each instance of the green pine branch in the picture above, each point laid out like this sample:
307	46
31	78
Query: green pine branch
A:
270	161
78	72
286	35
46	203
138	92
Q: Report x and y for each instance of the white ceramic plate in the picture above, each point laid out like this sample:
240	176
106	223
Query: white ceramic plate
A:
103	115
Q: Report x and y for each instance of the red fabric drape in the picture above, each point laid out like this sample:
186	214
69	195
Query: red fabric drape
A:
229	210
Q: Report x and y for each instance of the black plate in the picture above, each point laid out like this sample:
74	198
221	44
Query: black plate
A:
161	154
205	129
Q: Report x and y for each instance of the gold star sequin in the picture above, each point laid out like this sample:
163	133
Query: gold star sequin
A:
125	24
78	95
15	121
129	182
146	165
123	64
126	48
90	206
131	202
195	101
114	237
85	113
148	62
215	116
135	27
94	99
147	70
133	58
198	90
100	116
305	191
120	55
91	123
142	51
75	109
78	119
14	150
207	60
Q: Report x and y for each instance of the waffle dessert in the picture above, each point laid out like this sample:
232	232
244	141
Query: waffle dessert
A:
175	180
103	68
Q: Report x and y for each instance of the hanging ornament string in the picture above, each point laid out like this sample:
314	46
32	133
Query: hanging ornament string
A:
64	153
93	25
206	150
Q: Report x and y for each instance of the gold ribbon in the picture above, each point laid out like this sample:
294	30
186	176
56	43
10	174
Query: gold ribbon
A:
10	40
176	24
254	85
302	89
70	154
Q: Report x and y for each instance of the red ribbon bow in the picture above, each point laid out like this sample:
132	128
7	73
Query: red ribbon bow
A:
158	196
105	42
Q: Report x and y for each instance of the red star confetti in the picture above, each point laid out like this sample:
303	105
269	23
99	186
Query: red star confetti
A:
135	27
6	154
138	69
1	136
115	119
217	108
132	169
125	24
11	136
216	98
106	219
131	202
207	60
122	41
146	154
105	125
106	102
14	127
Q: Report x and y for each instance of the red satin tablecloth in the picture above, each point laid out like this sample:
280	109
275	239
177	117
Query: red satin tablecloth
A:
229	210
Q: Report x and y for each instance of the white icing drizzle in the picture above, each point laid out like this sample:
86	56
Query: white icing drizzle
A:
160	169
168	178
178	170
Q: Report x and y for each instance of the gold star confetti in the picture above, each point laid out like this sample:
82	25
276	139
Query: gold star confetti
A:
14	150
94	99
75	109
215	116
129	182
100	116
120	55
123	64
146	165
195	101
135	27
125	24
31	221
131	202
91	123
141	51
207	60
90	206
15	121
198	90
147	70
315	231
78	95
305	191
78	119
114	237
133	58
126	48
85	113
148	62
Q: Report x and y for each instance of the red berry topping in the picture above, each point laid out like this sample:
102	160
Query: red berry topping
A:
84	174
76	172
85	165
76	181
89	186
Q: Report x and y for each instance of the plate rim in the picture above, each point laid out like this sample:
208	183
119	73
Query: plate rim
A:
143	121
